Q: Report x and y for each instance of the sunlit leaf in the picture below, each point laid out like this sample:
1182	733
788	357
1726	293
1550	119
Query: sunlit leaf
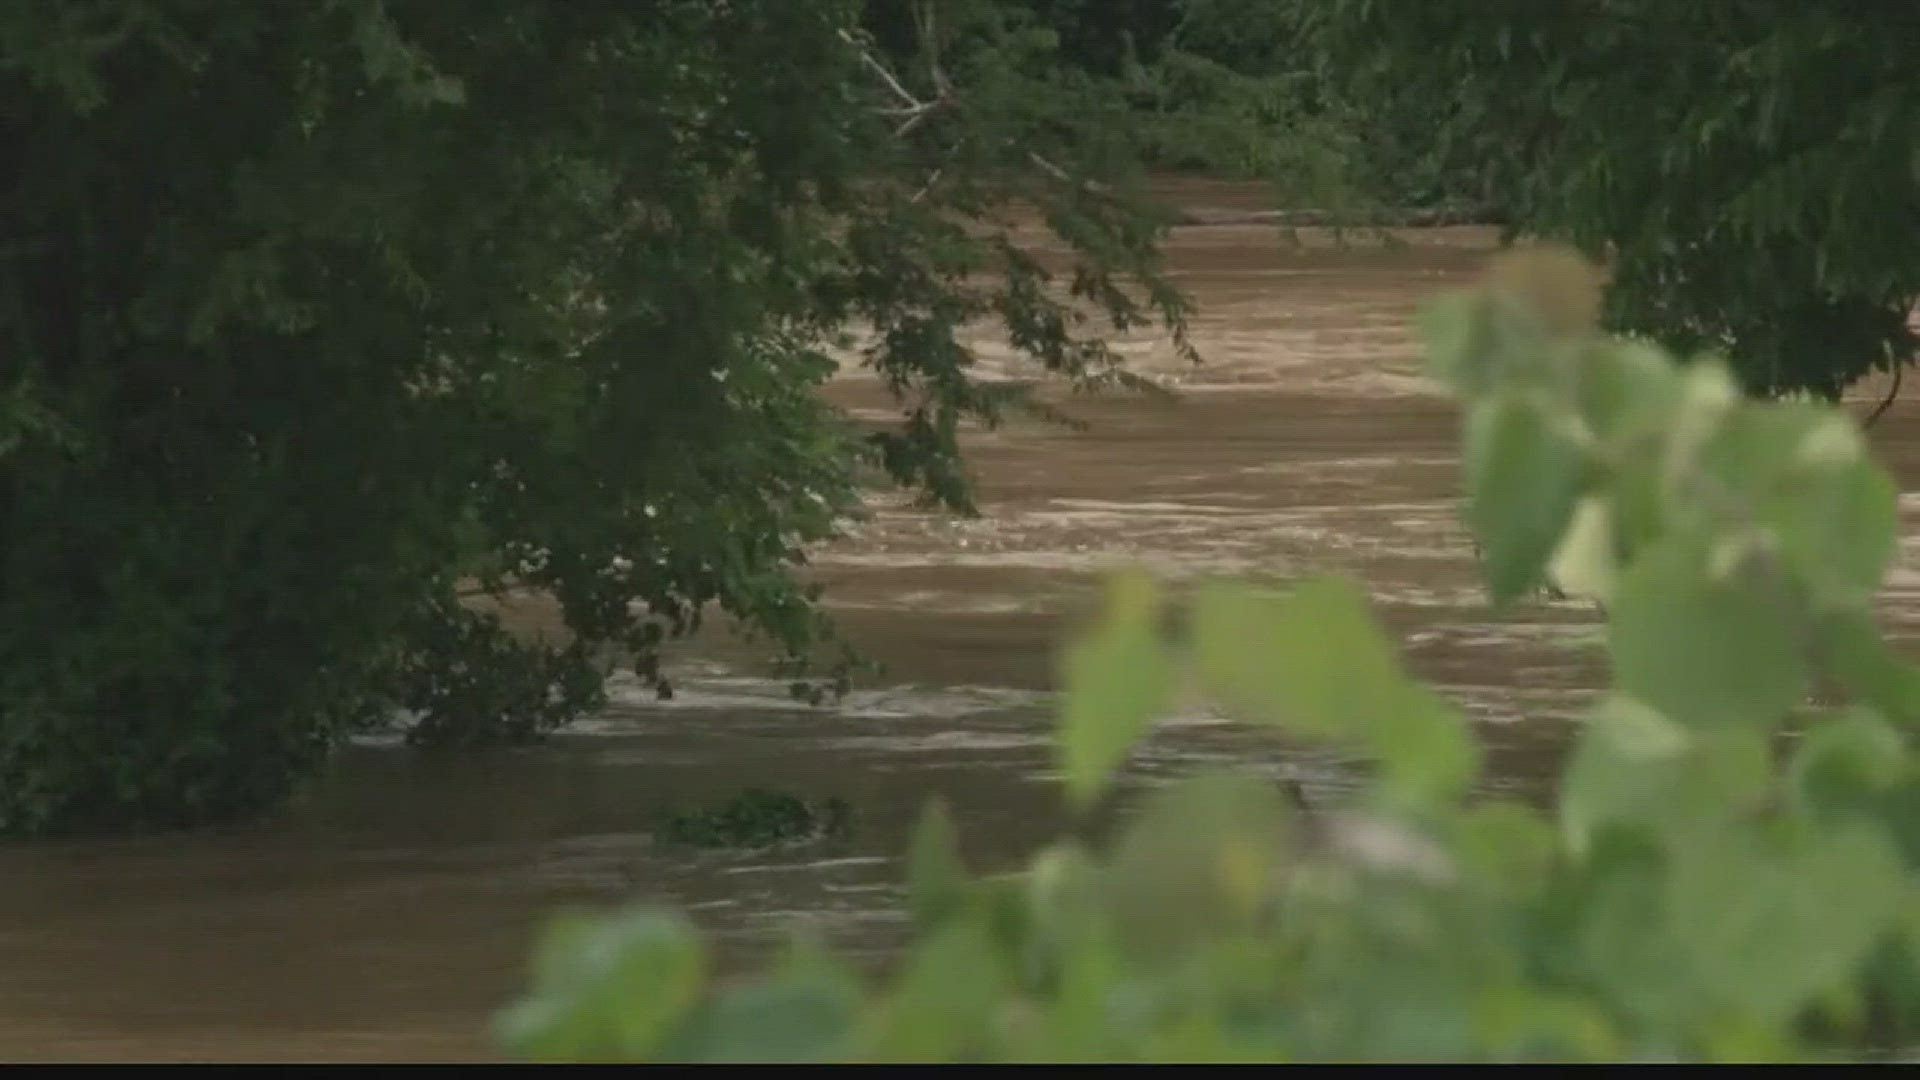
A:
1315	661
1427	753
1064	895
1586	562
1704	652
805	1012
1542	1025
1838	524
936	879
1623	768
1197	861
1766	927
1237	636
1860	658
945	1000
608	988
1524	476
1116	681
1708	395
1556	284
1455	329
1504	846
1626	391
1633	766
1626	942
1801	470
1845	759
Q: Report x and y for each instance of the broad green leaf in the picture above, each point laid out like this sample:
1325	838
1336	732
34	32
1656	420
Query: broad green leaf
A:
1315	661
1634	766
1543	1025
1196	1037
1064	894
1524	476
1238	639
1455	330
1627	391
1701	652
805	1012
1752	447
1860	658
1116	681
936	878
1638	503
1833	441
1427	753
1478	342
1708	396
1801	470
1318	662
1765	928
1505	847
1556	285
945	1001
1730	772
611	987
1899	810
1078	1025
1625	944
1586	562
1197	861
1747	1040
1845	760
1623	768
1838	525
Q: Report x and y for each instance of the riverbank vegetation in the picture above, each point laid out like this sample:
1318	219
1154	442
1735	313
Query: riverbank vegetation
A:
314	312
319	316
1746	170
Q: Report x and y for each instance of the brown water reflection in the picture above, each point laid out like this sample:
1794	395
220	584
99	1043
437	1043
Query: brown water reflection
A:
391	912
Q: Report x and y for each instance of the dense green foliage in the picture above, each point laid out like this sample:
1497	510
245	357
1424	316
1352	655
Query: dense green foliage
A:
758	818
316	311
1747	170
1235	88
1728	873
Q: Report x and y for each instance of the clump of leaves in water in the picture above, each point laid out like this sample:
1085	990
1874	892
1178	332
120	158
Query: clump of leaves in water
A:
1694	894
758	818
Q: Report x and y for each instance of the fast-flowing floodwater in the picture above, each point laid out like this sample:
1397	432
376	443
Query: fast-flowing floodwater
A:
390	913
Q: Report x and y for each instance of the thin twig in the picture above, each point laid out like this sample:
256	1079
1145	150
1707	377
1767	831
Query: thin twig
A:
1886	403
912	108
915	120
930	38
916	111
928	186
1089	185
880	69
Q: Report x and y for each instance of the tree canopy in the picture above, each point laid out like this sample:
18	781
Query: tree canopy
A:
1747	169
316	310
318	313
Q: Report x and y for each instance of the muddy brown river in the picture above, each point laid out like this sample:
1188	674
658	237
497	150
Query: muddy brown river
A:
390	913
